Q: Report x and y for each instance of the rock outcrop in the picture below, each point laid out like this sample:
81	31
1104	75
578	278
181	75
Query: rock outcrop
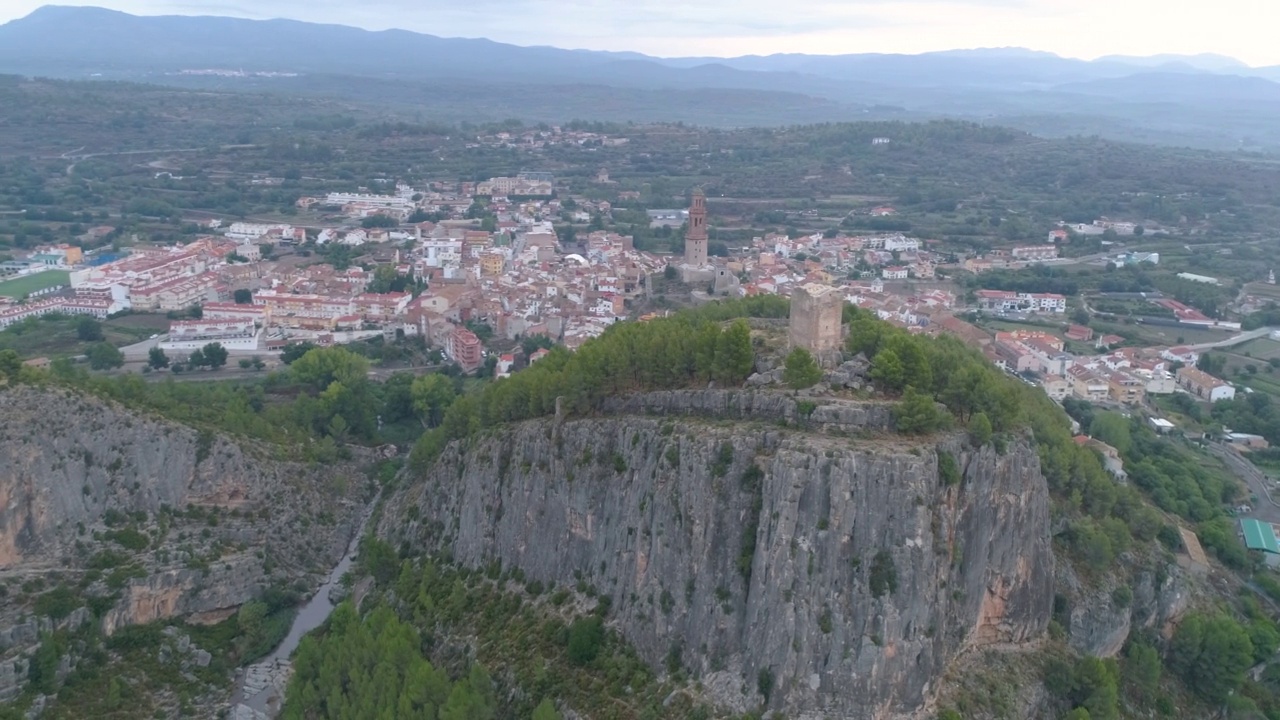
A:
835	571
815	413
1100	619
191	523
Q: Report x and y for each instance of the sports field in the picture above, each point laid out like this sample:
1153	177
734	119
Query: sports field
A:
22	286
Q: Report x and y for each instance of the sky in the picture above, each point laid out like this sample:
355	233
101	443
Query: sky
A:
1243	29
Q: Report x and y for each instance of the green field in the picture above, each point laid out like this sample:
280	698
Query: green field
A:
23	286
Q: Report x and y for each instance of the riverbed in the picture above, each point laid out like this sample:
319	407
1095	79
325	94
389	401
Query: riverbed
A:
260	687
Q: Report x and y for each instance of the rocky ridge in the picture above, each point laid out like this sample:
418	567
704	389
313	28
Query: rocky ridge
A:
783	550
155	519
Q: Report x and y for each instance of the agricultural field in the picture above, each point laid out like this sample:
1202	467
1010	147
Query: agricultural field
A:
54	336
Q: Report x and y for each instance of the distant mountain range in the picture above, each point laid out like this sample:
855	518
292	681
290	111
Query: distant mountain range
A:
1204	100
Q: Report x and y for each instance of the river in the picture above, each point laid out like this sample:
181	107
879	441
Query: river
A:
260	687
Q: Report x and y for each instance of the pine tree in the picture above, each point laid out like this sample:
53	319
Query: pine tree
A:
917	414
887	370
734	358
800	371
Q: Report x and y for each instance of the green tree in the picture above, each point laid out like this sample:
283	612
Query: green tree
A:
432	395
915	361
42	670
215	356
88	328
242	296
800	370
1142	670
917	414
734	357
586	637
1094	687
531	344
157	358
865	335
293	351
1113	429
546	710
10	363
104	356
887	370
979	429
379	221
1211	655
321	366
250	619
385	279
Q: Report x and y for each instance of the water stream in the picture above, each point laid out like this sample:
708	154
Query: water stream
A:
260	687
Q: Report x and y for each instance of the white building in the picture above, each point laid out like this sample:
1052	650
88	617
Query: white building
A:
193	334
1199	278
253	231
1035	252
901	243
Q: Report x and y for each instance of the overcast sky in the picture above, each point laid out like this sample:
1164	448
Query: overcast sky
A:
1244	29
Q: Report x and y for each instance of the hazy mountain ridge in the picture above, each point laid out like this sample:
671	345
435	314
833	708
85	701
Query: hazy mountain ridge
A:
1214	102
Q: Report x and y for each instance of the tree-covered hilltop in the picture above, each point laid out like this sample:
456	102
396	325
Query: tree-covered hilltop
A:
1104	528
321	401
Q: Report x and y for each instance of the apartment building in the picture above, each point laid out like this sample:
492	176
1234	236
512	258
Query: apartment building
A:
1087	384
463	347
1204	386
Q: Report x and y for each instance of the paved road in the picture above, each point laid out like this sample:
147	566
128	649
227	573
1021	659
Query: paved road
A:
1267	508
1235	339
139	350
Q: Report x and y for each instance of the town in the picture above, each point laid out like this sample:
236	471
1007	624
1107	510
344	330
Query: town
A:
254	288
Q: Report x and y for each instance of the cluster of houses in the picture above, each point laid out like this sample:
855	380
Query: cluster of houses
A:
1125	376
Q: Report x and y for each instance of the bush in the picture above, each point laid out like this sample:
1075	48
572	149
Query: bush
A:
764	682
57	603
948	471
129	538
586	637
884	574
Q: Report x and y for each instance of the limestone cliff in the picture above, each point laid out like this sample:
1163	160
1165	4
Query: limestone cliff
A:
210	521
834	567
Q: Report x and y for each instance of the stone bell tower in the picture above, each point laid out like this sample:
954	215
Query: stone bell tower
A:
695	238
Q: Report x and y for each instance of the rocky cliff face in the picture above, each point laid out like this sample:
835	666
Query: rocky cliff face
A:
191	523
1099	624
835	570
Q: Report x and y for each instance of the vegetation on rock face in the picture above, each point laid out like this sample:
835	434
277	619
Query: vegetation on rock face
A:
421	647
